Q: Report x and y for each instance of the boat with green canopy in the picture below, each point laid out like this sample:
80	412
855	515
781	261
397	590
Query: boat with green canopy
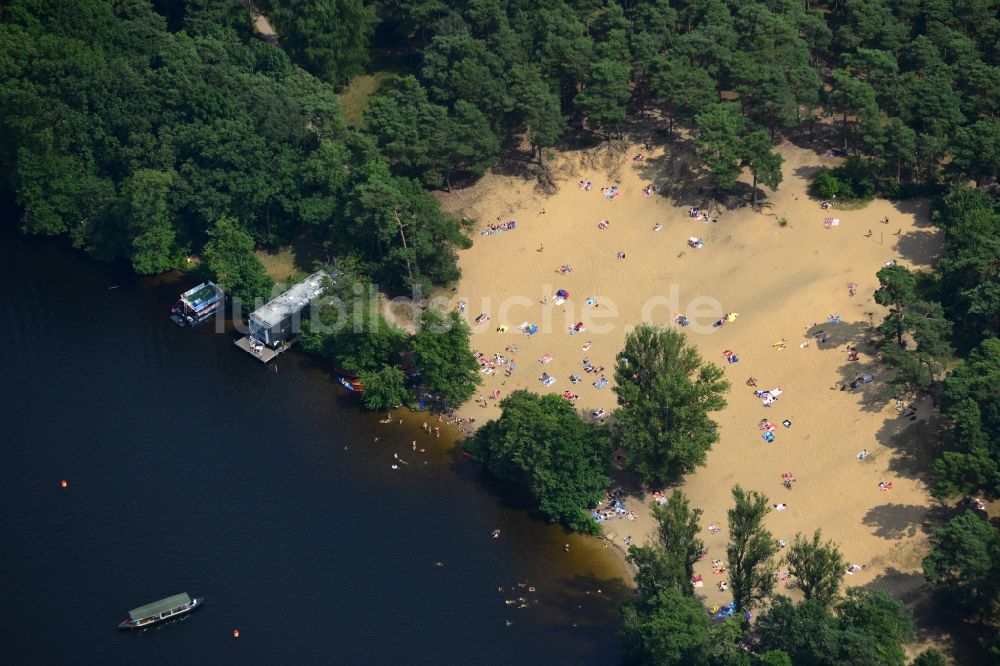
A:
158	611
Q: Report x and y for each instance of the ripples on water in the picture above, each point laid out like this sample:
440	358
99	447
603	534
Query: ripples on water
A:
193	468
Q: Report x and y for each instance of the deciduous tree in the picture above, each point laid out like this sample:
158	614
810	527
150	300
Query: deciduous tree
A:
384	388
540	442
668	562
229	256
964	562
969	400
442	356
818	567
665	394
751	550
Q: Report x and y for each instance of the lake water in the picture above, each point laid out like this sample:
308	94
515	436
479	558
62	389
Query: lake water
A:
193	468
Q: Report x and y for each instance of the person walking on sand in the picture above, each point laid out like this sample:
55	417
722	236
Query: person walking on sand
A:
898	232
869	234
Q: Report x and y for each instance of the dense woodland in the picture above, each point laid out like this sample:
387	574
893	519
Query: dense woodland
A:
157	131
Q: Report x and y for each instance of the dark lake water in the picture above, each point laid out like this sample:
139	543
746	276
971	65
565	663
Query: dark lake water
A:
193	468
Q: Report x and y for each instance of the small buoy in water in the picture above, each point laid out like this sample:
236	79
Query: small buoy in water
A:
236	633
64	483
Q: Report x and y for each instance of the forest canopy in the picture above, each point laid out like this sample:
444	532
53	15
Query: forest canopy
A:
133	126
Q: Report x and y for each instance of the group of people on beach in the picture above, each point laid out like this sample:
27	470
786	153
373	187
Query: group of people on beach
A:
498	228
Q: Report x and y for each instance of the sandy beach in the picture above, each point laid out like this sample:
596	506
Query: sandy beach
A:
784	281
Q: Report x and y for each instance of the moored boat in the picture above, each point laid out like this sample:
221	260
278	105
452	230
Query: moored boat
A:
159	611
351	384
197	304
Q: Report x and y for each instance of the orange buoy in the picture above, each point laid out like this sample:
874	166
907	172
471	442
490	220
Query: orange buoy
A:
236	633
64	483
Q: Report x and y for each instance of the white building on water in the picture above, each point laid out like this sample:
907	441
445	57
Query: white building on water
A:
275	326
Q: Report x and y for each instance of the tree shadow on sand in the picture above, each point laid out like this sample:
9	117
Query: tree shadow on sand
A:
807	172
678	176
915	444
829	337
818	137
897	521
921	246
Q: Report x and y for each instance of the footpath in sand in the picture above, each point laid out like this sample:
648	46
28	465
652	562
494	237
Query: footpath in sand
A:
784	281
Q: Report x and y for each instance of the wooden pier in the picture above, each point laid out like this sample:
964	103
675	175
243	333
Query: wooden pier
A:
263	353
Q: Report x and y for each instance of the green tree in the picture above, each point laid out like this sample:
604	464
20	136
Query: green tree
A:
669	561
460	67
718	142
917	319
900	148
775	658
680	87
849	96
930	657
977	151
964	563
470	146
327	37
396	224
807	632
403	121
751	550
565	52
670	628
874	627
604	96
422	141
818	568
665	394
541	443
969	400
970	268
347	327
384	389
442	356
144	204
229	256
538	104
866	627
765	165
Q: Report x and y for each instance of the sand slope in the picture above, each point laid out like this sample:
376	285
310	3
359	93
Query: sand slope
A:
783	281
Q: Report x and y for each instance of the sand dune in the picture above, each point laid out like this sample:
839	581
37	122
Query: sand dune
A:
783	281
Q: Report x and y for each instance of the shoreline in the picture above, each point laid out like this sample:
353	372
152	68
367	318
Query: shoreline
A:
788	281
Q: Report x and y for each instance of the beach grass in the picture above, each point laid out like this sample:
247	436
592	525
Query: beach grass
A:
355	97
281	264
